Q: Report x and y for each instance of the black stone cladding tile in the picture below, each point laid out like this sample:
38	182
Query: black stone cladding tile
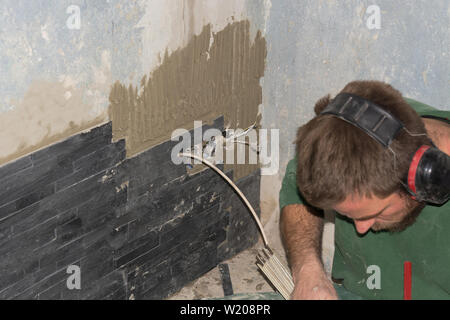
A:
7	210
119	294
20	284
139	228
102	227
12	278
77	194
30	285
242	231
90	189
13	225
16	267
145	173
187	227
54	292
95	262
51	252
118	236
190	259
70	230
60	291
76	146
210	237
197	263
33	179
183	267
144	280
96	265
154	256
110	287
161	207
99	160
14	167
97	216
135	249
67	256
50	236
36	196
215	235
154	167
24	243
67	198
109	151
105	202
45	166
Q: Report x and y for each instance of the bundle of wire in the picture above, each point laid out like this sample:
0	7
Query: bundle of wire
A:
267	261
275	271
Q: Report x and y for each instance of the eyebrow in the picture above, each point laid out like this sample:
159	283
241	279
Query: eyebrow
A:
372	215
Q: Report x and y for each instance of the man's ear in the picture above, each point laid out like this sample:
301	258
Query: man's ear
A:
321	104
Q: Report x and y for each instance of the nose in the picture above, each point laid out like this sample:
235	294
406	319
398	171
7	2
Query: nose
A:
364	226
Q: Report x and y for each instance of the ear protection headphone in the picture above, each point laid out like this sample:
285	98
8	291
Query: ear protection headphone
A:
428	178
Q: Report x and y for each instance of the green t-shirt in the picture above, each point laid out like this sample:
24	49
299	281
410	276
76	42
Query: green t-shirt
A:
426	244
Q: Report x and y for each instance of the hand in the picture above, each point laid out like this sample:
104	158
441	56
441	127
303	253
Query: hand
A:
311	283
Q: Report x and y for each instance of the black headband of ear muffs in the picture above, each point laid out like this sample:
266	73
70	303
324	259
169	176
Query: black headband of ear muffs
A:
366	115
428	177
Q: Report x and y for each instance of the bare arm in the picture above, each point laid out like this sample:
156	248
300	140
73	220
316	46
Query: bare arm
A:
301	229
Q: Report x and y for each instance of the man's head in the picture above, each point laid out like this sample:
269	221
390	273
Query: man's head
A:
342	168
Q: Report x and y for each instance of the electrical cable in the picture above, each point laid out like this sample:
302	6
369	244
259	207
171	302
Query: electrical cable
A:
239	192
267	261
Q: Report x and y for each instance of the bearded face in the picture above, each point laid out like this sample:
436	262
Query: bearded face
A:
393	214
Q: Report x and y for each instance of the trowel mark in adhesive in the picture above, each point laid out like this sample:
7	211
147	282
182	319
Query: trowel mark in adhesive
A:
190	85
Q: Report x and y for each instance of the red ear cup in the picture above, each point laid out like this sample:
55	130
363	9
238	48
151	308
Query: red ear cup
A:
428	177
413	169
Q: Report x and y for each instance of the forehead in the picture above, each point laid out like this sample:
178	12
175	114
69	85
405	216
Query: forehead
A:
363	206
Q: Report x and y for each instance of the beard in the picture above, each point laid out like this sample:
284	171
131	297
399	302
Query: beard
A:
413	209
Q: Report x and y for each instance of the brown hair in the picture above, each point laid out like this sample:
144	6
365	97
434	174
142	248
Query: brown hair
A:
337	159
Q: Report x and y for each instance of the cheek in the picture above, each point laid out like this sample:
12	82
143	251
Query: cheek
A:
395	213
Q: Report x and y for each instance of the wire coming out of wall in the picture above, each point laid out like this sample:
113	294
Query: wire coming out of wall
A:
267	261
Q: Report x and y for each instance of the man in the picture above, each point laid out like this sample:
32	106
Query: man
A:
339	167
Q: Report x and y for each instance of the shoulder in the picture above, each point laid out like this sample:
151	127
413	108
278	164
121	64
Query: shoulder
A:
439	132
423	108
